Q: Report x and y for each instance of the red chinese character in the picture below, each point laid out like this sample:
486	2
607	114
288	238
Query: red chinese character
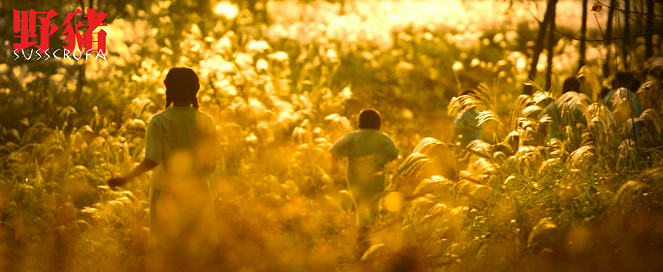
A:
73	36
25	23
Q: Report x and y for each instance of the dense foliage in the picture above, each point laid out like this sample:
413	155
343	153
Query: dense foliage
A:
282	93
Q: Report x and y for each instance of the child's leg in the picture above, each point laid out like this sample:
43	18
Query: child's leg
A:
363	241
367	210
154	250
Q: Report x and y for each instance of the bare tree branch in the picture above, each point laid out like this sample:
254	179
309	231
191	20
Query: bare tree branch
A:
634	12
594	40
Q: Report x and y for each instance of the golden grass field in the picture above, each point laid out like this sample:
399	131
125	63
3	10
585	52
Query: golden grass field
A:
283	92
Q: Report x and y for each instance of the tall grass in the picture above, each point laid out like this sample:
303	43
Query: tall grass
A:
279	101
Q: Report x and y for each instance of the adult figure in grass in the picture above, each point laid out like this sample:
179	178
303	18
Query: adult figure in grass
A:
182	147
368	151
625	105
565	116
466	129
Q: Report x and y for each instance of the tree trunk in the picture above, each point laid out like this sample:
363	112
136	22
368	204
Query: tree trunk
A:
205	12
251	6
608	36
263	16
627	32
258	9
649	28
583	35
538	45
342	12
551	45
177	11
80	80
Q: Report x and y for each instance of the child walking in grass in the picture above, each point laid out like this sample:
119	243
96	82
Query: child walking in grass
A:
182	147
566	112
466	126
368	151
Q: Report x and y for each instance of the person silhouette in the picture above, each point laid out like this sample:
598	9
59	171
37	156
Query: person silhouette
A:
182	147
466	126
368	151
565	112
624	105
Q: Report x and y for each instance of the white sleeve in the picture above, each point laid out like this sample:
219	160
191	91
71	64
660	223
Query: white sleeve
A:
154	142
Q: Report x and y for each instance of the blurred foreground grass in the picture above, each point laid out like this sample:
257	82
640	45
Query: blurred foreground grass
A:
280	95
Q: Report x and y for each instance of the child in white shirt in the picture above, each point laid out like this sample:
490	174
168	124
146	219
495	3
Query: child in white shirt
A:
182	145
368	151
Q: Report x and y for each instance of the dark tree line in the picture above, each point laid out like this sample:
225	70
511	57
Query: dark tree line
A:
625	19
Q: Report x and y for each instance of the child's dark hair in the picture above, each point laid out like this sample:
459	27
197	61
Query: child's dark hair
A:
369	118
623	80
571	84
604	92
469	91
182	84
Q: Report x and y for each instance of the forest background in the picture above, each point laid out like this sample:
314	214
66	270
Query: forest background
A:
285	79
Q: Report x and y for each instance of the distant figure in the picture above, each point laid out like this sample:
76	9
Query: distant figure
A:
466	125
654	79
368	151
622	86
571	84
604	93
566	112
655	74
623	103
182	144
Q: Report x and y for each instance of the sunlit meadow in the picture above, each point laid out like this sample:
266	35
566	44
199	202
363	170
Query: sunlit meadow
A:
281	93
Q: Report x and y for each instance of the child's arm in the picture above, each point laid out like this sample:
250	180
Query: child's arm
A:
391	150
212	150
143	167
339	150
334	165
153	154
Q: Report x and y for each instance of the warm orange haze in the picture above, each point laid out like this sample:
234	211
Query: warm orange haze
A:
335	135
